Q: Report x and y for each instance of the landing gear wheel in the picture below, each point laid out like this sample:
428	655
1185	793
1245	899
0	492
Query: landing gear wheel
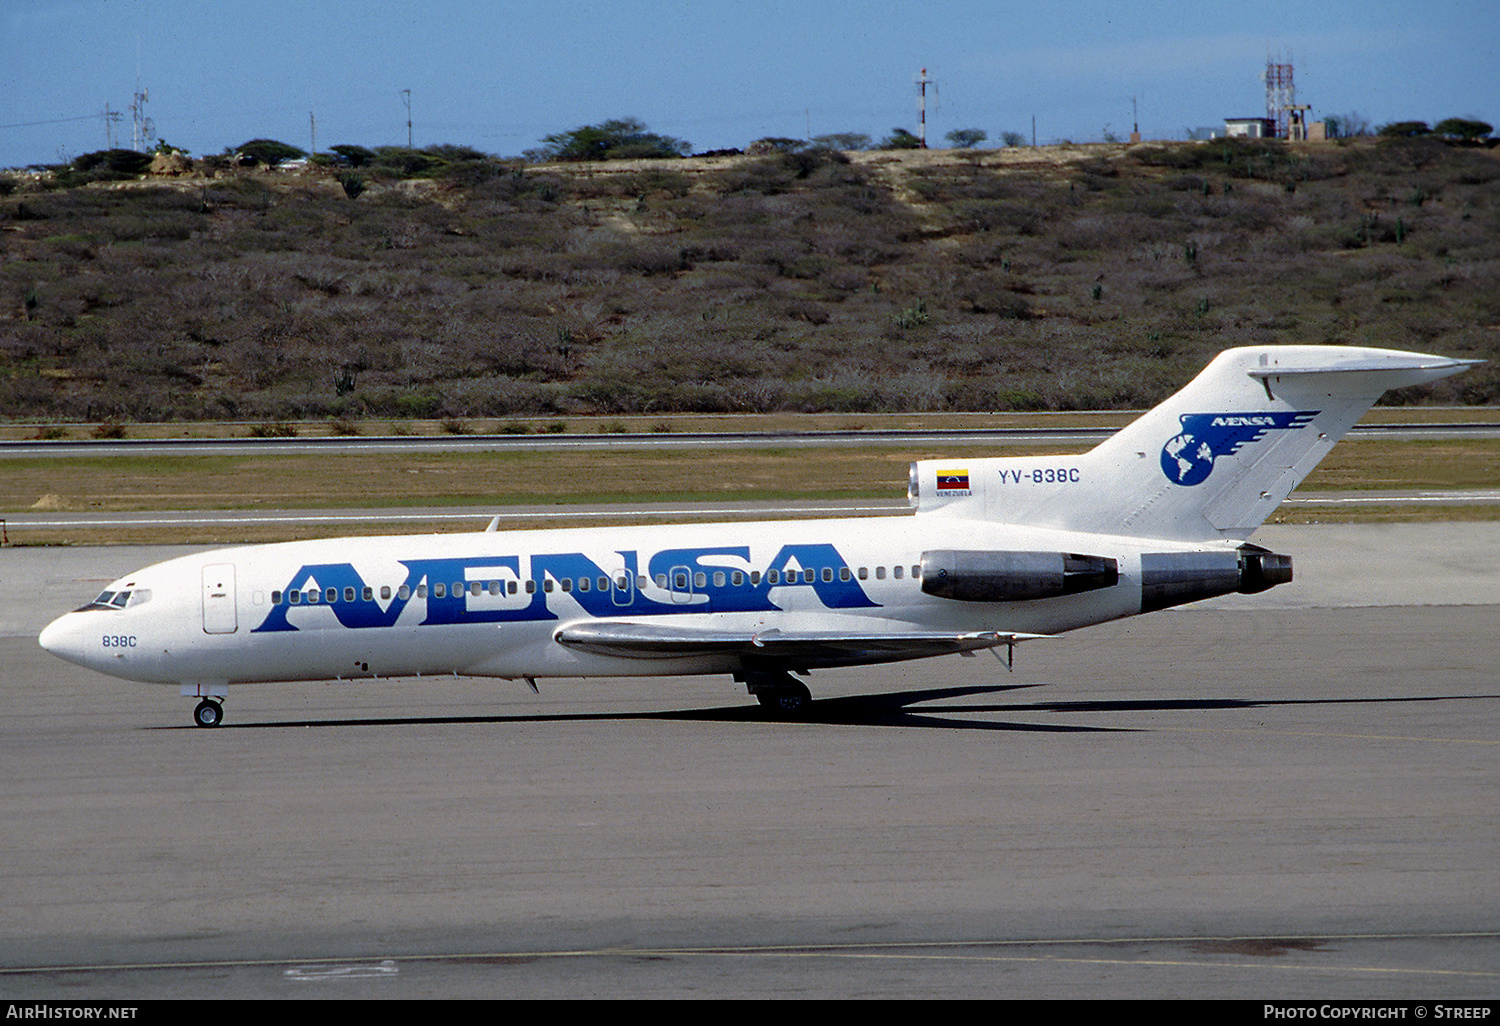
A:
787	701
208	713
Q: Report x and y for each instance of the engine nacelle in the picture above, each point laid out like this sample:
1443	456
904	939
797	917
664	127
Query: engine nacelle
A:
991	576
1172	578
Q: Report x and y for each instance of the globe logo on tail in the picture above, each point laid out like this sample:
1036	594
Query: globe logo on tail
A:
1189	456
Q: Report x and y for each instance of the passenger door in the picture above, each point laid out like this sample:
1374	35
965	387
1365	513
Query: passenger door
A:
219	615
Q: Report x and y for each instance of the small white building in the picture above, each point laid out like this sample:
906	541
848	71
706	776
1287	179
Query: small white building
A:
1249	128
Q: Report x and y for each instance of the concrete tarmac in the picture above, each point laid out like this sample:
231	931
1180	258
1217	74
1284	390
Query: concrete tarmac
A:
1285	796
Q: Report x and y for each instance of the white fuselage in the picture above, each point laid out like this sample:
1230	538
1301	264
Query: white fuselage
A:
490	604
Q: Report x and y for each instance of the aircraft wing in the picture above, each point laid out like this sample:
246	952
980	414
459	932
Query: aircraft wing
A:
654	641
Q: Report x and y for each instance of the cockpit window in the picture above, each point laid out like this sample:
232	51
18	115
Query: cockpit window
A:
118	599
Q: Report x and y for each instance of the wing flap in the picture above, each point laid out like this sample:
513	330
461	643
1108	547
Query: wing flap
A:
655	641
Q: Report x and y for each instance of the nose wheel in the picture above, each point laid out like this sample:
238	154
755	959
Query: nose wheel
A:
208	714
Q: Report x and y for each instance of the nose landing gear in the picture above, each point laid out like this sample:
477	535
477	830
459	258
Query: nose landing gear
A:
208	714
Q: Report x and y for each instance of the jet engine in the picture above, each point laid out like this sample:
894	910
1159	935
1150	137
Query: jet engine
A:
1167	578
988	576
1172	578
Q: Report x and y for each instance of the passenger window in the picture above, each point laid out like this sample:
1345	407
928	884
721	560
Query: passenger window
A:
661	581
880	573
567	584
369	593
827	574
916	571
275	598
404	592
546	584
511	587
896	572
348	594
773	576
844	574
864	573
439	591
718	578
700	579
530	586
738	578
584	584
422	590
385	591
754	578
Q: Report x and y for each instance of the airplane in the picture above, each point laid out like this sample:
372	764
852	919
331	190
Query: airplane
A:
997	551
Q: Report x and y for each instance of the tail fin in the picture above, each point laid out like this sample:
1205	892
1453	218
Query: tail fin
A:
1213	461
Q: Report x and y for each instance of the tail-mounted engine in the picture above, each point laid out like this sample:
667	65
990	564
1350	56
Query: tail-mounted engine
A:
980	576
1172	578
1167	578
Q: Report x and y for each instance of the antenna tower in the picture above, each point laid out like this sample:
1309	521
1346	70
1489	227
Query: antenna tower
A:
1281	94
922	83
142	126
111	118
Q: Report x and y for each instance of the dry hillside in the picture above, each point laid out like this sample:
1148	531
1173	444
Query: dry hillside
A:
1058	278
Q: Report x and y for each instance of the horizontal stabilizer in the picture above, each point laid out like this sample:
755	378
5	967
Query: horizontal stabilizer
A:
654	641
1397	368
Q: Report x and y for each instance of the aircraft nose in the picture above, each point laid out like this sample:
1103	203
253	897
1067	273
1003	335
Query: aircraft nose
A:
61	638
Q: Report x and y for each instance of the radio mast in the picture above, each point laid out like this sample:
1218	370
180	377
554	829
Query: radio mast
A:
142	126
1281	95
922	81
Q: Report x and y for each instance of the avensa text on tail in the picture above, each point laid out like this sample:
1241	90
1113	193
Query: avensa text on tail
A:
997	551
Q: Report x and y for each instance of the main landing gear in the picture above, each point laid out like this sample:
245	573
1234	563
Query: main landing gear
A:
209	713
779	693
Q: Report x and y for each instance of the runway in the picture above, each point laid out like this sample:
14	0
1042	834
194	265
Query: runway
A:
1288	795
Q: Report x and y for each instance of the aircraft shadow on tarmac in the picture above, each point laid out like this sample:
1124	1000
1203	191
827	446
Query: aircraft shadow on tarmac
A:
891	709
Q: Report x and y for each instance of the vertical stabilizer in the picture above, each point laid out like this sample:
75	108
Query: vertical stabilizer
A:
1213	461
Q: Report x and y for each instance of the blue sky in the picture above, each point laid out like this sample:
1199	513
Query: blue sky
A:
499	75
